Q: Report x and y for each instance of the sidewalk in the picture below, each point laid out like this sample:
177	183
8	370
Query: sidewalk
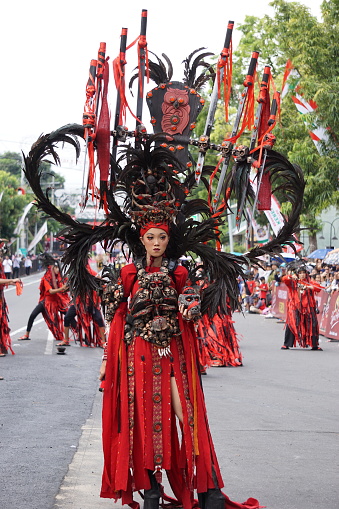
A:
81	486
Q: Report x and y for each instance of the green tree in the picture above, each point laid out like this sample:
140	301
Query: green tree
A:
313	47
13	202
11	205
12	163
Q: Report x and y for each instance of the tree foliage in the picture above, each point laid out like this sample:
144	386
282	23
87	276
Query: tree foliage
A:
12	163
313	47
12	203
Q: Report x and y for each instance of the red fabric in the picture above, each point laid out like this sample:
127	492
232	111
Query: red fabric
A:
19	287
103	130
218	342
129	450
5	338
88	335
301	310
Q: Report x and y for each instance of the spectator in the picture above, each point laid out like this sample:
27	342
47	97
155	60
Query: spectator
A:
274	272
255	272
16	265
263	291
250	286
334	286
257	306
28	265
7	265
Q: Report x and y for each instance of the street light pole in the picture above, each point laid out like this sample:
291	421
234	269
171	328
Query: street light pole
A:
334	236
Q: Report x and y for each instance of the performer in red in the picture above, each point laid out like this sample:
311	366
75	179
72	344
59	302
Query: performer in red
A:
151	369
154	413
53	301
301	320
5	338
87	313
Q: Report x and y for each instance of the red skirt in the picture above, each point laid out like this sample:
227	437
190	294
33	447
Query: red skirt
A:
140	431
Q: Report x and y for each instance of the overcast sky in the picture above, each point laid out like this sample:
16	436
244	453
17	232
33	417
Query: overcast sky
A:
46	48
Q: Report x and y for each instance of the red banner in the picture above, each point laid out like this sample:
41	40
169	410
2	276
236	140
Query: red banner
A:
328	305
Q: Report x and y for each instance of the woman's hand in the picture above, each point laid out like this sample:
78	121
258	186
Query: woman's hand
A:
102	371
186	314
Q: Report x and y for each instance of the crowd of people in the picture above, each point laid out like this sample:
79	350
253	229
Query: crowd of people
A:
256	292
12	265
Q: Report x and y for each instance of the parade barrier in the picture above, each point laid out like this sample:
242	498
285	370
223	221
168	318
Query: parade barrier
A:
328	305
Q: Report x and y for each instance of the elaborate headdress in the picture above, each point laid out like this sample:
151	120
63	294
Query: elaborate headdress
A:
151	183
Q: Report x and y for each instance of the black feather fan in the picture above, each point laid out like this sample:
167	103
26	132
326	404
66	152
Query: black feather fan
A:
187	235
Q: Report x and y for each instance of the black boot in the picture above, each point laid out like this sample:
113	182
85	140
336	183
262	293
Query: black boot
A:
152	496
201	499
214	499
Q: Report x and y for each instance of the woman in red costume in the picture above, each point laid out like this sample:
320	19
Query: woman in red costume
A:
151	378
5	338
152	388
301	320
53	301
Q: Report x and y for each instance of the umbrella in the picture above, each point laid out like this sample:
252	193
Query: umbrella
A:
319	253
332	258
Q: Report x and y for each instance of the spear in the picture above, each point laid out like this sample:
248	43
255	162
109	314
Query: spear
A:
119	71
142	55
227	145
205	137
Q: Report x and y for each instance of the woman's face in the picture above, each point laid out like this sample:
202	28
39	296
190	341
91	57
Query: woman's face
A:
302	275
155	241
56	269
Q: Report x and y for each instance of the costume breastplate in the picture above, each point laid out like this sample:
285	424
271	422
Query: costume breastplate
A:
153	308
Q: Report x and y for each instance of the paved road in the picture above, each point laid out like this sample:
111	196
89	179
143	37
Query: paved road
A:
275	423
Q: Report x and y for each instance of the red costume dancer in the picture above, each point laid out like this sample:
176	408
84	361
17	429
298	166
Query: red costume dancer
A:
151	373
53	300
88	314
89	328
5	338
301	319
151	376
152	386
